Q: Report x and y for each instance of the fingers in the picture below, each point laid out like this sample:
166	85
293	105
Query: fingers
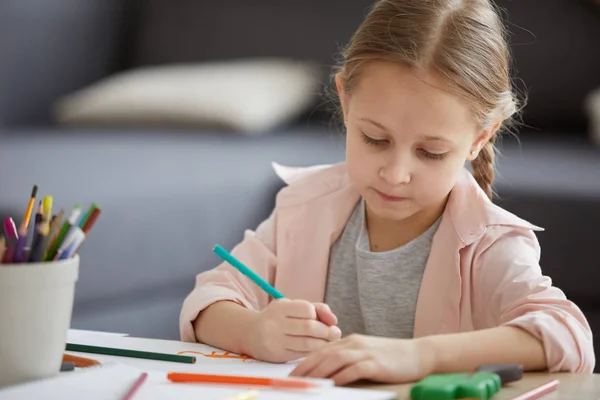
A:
310	328
298	309
365	369
303	344
325	315
288	355
328	362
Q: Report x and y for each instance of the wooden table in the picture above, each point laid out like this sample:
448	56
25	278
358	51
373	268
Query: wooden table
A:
571	387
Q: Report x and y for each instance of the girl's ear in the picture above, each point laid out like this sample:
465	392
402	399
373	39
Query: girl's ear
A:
482	140
339	84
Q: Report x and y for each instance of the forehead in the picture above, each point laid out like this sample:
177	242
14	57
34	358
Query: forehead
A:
405	101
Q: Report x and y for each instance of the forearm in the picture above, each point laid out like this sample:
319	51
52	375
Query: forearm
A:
224	325
466	351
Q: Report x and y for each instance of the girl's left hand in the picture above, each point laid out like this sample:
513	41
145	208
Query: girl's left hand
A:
368	357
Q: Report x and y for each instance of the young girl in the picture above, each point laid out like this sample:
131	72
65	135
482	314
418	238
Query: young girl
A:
420	271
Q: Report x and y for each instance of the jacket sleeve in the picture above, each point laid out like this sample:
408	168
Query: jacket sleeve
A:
509	289
257	251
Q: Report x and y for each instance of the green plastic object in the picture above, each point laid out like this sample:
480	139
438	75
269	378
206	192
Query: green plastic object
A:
480	385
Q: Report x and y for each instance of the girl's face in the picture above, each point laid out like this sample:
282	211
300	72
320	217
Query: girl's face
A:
407	139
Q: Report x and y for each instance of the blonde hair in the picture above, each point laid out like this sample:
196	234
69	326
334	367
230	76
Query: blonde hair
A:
461	40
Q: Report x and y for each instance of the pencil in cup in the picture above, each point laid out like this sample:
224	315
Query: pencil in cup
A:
111	351
38	248
64	230
225	255
2	247
23	228
36	226
87	215
71	244
12	238
30	205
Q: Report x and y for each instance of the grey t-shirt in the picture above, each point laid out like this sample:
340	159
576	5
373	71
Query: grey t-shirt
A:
375	293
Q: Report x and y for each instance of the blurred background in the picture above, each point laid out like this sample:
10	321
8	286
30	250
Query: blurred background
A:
168	114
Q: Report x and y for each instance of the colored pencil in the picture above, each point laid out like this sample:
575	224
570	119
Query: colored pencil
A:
136	386
87	215
30	205
80	362
539	391
41	242
38	247
36	226
23	228
89	224
47	208
131	353
73	218
21	242
2	247
225	255
10	229
85	231
12	238
56	224
183	377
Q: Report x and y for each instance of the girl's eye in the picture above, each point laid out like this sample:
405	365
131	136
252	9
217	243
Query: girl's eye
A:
432	156
375	142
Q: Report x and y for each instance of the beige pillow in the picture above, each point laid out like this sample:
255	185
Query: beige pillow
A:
250	96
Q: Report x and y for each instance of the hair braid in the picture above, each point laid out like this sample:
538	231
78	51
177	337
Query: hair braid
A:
483	167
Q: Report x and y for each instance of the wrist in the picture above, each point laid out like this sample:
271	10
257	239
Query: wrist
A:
430	356
246	337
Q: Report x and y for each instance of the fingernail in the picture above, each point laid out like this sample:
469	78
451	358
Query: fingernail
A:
336	333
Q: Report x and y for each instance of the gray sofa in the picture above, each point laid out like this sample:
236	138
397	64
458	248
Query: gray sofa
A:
169	196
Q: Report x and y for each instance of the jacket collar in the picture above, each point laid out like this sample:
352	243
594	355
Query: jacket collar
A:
468	207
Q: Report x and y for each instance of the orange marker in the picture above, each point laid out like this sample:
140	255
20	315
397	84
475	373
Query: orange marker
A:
182	377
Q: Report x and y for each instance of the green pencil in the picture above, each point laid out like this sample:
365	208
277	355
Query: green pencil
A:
131	353
63	232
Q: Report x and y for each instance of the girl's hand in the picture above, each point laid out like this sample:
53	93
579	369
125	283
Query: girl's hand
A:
368	357
290	329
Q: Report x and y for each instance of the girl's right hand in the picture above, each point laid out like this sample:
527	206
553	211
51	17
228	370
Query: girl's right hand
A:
287	329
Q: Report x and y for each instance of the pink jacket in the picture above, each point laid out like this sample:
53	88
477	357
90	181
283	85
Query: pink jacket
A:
483	270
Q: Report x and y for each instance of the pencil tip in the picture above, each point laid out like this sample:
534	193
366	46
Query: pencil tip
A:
34	191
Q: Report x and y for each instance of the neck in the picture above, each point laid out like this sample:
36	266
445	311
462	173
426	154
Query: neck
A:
387	234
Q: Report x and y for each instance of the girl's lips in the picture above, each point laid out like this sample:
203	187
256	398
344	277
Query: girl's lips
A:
387	197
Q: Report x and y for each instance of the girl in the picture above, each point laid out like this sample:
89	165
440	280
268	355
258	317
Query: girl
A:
420	271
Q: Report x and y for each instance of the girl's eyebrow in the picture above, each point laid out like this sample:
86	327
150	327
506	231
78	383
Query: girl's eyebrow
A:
376	124
425	137
436	138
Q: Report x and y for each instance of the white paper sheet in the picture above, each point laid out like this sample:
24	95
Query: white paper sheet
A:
112	381
208	359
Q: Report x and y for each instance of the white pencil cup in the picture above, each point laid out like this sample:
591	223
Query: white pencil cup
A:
36	304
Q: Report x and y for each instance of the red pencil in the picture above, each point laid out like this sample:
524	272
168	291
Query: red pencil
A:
89	224
136	386
539	391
